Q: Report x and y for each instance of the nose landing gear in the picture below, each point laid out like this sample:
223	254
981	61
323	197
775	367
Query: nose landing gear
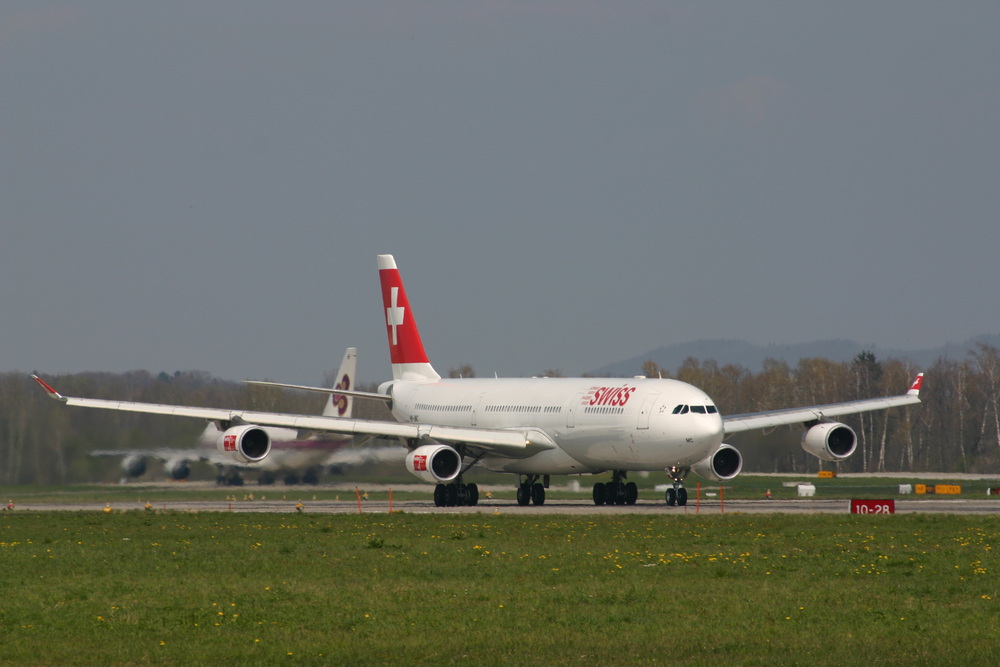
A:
677	494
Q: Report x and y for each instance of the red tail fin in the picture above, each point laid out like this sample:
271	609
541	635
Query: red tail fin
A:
406	350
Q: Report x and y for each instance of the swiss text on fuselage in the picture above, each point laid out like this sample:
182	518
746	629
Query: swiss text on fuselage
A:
615	396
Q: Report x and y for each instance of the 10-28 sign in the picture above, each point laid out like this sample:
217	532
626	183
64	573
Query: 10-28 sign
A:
873	506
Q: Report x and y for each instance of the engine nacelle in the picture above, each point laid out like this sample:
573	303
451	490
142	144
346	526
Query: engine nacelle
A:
830	442
134	465
723	464
434	463
178	469
246	444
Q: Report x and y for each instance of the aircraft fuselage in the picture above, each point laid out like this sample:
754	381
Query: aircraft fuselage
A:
597	423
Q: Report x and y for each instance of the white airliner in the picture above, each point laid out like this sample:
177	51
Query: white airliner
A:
534	427
295	457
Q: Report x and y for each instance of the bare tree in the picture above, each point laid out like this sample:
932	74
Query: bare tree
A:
987	360
652	370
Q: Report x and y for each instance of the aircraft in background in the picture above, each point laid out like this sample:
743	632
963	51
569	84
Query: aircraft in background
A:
295	456
534	427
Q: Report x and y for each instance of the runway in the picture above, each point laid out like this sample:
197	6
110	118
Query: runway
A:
985	506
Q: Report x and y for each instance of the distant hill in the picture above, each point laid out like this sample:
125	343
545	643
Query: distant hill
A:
752	356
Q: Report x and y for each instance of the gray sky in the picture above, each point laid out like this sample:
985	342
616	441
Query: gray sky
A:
205	185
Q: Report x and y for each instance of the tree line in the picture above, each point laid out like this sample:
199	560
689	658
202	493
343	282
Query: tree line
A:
956	427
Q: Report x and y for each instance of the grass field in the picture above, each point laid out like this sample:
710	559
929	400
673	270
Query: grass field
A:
219	588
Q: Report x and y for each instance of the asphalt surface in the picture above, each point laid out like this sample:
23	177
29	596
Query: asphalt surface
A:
986	506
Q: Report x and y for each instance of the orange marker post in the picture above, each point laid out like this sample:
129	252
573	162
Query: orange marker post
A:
358	494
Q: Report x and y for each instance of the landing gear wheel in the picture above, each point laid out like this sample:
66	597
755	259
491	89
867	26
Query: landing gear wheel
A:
615	493
631	493
523	494
471	495
677	495
538	494
440	495
599	494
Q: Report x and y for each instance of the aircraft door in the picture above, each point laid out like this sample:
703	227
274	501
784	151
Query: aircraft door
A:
477	407
645	410
571	412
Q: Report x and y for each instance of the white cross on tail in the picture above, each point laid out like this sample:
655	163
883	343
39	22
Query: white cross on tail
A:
394	314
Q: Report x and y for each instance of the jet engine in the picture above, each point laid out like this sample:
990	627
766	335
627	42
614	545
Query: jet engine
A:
134	465
434	463
246	443
178	469
830	442
723	464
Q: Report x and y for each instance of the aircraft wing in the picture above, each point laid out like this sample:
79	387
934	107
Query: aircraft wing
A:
506	442
759	420
322	390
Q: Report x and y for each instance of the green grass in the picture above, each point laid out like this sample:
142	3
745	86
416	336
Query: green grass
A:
217	588
159	493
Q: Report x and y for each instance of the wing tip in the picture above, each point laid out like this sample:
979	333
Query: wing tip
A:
917	384
48	388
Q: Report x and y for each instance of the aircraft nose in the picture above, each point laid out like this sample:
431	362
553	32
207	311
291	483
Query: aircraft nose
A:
708	430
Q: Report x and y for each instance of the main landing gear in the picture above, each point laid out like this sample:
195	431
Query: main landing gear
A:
456	494
677	494
228	476
616	492
530	490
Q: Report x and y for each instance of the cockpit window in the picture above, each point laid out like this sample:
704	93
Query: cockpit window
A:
699	409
